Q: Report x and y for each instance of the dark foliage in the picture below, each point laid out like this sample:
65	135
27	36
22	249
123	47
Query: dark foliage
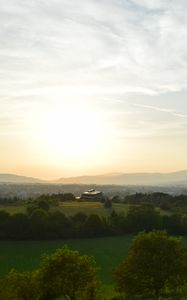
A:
44	221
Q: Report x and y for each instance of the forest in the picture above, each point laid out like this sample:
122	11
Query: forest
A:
43	219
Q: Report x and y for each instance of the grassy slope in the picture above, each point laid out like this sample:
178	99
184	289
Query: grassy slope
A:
13	209
25	255
71	208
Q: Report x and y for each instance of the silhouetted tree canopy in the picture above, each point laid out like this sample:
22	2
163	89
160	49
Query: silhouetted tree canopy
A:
156	263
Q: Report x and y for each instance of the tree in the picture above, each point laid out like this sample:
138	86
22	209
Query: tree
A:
68	197
41	203
20	286
59	225
173	223
39	223
68	274
94	226
108	203
79	221
116	199
143	217
18	226
4	219
155	264
117	223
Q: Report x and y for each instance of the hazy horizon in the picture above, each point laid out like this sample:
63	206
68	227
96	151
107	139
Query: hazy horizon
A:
92	87
112	174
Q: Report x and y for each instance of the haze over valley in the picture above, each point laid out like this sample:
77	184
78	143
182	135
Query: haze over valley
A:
179	177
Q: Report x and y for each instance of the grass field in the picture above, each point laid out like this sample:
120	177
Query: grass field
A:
108	252
71	208
13	208
26	255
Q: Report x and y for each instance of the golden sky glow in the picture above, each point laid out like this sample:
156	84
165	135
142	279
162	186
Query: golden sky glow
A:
90	87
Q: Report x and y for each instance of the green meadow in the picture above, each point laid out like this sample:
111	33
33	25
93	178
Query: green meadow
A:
71	208
108	252
26	255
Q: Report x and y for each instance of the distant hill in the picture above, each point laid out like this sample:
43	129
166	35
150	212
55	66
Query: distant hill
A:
129	179
107	179
12	178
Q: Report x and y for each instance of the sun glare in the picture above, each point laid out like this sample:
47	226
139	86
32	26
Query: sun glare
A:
71	132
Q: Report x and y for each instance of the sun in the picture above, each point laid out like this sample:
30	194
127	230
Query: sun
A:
72	132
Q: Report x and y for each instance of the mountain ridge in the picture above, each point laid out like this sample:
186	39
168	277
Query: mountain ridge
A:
129	178
14	178
138	178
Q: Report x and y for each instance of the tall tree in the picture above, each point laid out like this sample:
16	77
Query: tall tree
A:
68	274
20	286
155	264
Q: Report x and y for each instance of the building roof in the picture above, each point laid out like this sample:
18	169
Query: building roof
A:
92	192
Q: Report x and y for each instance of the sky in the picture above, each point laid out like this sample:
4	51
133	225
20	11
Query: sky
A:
92	86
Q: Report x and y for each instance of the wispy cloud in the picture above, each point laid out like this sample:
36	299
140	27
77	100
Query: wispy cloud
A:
138	120
132	46
164	110
57	50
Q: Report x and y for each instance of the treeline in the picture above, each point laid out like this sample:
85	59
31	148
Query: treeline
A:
40	222
52	199
163	200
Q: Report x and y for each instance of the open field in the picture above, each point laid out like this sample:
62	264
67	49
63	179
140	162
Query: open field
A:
13	208
71	208
108	252
26	255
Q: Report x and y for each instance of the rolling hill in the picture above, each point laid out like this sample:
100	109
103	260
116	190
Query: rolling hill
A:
179	177
13	178
129	179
